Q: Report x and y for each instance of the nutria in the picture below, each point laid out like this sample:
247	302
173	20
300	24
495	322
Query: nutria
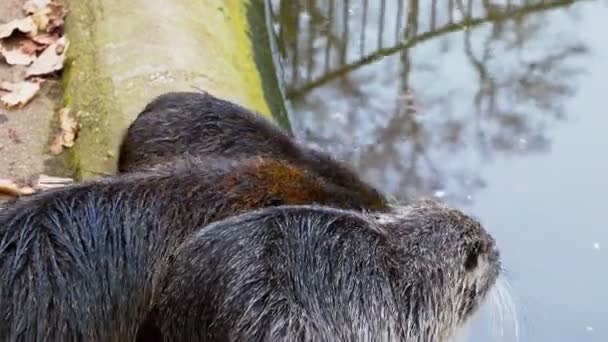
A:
183	124
312	273
82	262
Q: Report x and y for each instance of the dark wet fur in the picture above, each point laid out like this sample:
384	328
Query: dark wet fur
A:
111	259
322	274
82	262
179	125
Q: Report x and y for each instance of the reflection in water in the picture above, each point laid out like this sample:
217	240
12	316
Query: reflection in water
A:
431	99
423	97
457	81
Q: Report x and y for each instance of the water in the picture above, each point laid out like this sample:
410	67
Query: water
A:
499	110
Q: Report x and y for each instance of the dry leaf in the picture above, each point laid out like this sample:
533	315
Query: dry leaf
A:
8	187
44	38
16	56
30	47
47	16
33	6
56	17
25	25
69	128
50	60
26	190
49	182
41	19
19	93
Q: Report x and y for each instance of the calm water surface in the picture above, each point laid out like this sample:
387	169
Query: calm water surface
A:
498	107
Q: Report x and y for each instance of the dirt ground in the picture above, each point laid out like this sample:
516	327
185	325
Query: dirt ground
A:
25	133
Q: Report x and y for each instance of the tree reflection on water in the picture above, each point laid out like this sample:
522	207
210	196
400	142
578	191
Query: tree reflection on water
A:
419	95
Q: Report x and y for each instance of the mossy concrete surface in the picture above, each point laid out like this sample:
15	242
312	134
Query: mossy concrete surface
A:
124	53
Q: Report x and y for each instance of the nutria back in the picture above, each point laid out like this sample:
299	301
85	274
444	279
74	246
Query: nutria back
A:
322	274
182	125
82	262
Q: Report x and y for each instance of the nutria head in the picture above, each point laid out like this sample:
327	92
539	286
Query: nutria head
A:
448	261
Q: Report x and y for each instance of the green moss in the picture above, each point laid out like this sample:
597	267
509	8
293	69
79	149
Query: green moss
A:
262	53
89	94
123	54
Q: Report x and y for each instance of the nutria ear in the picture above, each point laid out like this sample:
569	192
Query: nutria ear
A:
274	202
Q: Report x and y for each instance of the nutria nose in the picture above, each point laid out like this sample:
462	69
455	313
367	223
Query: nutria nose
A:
484	247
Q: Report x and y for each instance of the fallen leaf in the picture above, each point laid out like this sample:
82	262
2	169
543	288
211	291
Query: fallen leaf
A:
10	188
56	17
50	60
49	182
30	47
41	19
33	6
26	190
69	129
25	25
44	39
47	16
16	55
19	93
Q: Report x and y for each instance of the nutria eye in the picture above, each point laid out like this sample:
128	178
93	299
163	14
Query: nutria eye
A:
274	202
472	257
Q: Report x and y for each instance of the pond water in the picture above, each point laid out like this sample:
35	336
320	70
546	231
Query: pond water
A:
498	107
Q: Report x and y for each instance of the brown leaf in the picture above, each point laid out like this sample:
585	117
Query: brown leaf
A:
25	25
56	17
27	190
30	47
44	38
69	129
47	16
19	93
41	19
50	60
16	55
8	187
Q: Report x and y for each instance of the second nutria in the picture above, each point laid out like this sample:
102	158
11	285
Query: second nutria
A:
313	273
83	262
180	125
